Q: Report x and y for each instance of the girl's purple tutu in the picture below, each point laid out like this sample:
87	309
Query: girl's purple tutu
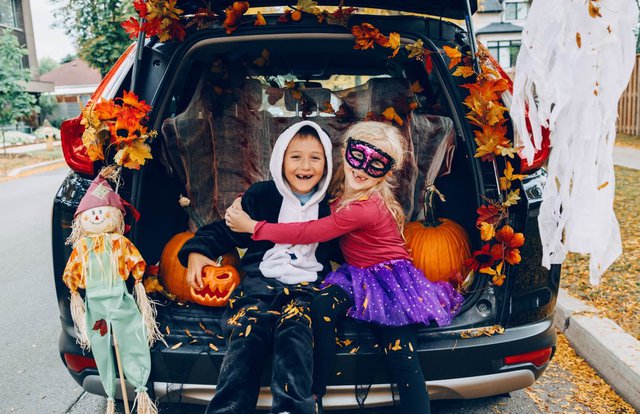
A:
395	293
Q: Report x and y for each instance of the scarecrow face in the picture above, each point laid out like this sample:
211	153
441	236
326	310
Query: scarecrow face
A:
100	220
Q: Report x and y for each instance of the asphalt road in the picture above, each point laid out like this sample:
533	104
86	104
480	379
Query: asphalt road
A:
33	379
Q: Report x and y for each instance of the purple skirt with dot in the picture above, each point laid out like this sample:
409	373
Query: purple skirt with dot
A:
396	293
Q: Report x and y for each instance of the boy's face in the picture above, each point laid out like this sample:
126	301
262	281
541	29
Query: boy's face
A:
304	163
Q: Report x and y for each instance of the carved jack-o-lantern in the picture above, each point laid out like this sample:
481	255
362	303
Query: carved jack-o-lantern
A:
218	283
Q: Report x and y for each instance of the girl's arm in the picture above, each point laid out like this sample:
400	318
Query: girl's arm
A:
356	215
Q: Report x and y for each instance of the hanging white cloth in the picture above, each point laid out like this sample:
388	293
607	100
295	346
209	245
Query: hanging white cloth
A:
574	63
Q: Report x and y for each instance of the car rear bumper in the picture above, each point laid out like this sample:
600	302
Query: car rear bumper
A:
343	397
502	379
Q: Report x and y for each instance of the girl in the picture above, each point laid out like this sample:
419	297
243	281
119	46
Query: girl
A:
378	284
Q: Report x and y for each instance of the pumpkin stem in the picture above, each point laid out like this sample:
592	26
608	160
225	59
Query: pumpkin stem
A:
185	203
430	217
219	261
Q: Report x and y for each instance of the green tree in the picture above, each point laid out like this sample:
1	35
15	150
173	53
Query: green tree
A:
15	102
46	65
95	27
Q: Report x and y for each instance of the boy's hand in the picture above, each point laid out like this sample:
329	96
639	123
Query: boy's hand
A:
237	220
194	269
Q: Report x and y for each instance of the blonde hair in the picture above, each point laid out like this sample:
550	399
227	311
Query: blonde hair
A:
389	139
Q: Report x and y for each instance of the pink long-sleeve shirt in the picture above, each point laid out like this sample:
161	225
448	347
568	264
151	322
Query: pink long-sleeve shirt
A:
368	232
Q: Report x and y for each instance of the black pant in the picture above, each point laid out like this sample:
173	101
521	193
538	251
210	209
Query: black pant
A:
258	328
327	309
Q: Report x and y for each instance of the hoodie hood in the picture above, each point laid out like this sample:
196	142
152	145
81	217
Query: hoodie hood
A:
277	158
295	263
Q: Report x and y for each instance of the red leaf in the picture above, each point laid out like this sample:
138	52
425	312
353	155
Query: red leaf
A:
428	62
101	325
132	27
489	214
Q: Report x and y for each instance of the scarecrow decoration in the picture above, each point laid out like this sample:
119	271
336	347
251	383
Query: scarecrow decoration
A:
101	260
575	61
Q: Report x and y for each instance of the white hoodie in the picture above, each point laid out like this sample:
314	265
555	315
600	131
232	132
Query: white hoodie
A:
297	263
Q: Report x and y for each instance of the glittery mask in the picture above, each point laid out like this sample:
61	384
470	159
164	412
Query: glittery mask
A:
368	158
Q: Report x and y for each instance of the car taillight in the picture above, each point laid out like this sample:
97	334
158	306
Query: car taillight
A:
75	154
78	363
537	358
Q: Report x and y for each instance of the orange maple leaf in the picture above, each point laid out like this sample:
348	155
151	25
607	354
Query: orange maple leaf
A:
260	20
366	35
454	54
233	15
391	114
106	110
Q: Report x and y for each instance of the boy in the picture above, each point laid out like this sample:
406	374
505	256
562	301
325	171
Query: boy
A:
269	311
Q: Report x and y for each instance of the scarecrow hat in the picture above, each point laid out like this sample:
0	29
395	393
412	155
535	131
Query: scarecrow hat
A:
101	194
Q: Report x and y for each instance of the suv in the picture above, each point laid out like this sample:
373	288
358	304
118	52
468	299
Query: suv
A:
220	100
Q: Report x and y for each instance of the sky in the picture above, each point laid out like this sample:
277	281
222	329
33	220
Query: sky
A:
50	42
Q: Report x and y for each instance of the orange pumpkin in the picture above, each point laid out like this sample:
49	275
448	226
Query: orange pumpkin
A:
218	283
173	276
439	246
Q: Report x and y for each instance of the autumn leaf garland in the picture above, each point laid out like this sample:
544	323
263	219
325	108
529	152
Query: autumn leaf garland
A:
486	112
118	123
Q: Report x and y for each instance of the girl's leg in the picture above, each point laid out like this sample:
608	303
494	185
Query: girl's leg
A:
404	367
327	308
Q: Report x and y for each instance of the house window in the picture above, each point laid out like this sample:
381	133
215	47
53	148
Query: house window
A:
516	10
505	51
7	13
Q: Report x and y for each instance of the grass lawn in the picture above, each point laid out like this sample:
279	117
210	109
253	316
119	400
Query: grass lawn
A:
10	161
628	140
618	295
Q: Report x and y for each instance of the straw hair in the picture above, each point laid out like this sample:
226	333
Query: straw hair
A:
389	139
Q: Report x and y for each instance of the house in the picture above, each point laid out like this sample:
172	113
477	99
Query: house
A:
498	25
74	82
16	15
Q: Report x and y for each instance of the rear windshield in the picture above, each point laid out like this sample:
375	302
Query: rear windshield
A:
230	102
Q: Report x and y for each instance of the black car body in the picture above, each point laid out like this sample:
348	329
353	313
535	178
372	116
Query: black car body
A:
321	57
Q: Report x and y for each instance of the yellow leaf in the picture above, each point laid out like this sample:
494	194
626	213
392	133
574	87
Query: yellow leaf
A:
327	319
464	71
247	331
512	198
416	50
176	346
487	231
212	346
396	346
286	291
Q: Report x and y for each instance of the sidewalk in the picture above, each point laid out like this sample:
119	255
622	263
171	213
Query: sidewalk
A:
601	342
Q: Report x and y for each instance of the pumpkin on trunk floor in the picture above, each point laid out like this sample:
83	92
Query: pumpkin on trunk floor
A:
217	285
173	276
438	246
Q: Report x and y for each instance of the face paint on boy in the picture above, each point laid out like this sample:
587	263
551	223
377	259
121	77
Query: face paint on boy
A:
367	157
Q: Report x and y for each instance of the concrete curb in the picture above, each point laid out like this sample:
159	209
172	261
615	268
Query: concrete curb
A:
17	171
603	344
